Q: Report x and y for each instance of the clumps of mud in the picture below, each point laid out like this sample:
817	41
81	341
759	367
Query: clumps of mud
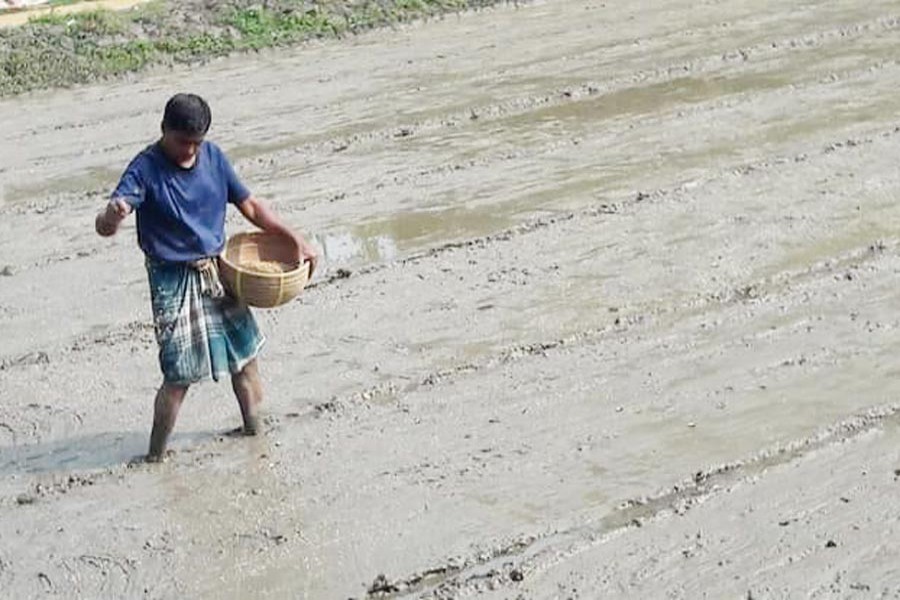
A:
25	360
56	487
443	581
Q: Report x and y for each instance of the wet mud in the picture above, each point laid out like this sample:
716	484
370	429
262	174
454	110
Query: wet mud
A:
608	309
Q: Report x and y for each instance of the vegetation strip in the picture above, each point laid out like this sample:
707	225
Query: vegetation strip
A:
58	50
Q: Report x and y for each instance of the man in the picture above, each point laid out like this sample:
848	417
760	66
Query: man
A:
179	189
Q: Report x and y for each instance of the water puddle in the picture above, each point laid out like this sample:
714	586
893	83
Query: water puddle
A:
573	187
388	238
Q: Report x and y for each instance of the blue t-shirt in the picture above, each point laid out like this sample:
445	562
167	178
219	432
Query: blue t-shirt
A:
181	212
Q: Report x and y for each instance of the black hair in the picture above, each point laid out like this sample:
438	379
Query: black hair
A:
187	113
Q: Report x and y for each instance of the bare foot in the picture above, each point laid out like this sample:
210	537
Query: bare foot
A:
155	458
251	425
244	431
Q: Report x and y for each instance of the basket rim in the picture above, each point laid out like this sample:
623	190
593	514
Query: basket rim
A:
244	271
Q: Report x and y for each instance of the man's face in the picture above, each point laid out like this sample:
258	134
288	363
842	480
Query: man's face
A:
181	148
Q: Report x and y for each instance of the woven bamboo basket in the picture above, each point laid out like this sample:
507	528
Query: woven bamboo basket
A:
263	290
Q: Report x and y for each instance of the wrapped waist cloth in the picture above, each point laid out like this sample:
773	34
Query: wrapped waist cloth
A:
202	333
210	284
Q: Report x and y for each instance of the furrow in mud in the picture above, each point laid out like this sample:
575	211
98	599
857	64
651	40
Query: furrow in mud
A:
509	564
767	290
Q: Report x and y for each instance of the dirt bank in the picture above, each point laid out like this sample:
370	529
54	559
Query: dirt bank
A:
77	43
609	310
15	18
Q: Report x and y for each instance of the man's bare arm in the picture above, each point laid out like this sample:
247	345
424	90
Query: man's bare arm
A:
263	217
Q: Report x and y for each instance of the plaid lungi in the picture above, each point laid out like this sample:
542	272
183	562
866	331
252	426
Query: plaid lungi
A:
199	336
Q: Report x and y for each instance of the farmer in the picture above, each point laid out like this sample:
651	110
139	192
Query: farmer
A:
179	188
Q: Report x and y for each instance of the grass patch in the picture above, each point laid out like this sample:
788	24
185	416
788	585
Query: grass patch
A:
260	28
57	50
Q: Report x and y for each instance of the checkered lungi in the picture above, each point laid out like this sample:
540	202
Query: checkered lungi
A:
200	336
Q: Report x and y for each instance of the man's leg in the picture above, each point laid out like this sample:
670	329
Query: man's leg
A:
168	401
248	389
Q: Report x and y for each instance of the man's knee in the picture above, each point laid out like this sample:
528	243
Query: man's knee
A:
252	366
174	392
250	369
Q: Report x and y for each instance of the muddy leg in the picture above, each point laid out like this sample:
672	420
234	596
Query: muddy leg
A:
168	401
248	389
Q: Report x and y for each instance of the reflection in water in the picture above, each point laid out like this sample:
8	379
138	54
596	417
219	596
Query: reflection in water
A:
344	247
384	239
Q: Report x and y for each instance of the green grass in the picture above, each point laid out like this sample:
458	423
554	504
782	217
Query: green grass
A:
260	28
61	50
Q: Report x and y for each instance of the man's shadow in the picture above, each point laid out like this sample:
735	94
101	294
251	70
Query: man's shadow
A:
85	453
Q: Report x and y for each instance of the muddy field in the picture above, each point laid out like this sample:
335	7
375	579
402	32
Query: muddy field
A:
610	310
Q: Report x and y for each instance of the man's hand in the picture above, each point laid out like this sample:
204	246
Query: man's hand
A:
306	252
108	221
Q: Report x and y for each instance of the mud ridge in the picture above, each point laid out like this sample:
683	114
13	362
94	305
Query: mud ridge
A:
382	587
553	548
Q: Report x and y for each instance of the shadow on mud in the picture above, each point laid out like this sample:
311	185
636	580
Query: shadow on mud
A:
91	452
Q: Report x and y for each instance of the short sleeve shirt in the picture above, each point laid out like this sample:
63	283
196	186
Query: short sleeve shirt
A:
181	212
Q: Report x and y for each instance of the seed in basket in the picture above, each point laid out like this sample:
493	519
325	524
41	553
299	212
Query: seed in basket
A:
266	267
